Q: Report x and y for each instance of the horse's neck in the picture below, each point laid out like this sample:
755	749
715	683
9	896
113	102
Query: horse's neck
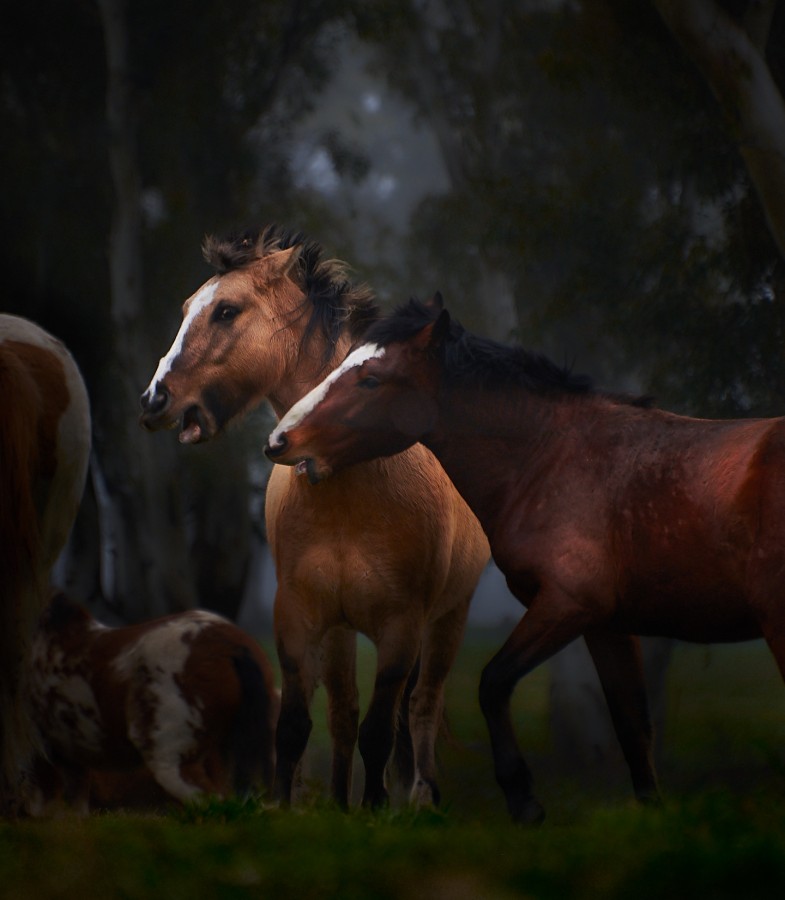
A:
486	445
307	370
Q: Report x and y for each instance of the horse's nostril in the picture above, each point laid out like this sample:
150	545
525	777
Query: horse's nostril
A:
154	402
273	450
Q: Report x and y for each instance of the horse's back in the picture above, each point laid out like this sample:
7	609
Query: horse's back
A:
219	683
228	667
191	659
671	524
234	683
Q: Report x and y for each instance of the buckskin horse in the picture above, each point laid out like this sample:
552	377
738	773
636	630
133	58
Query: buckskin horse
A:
44	451
388	549
190	698
609	518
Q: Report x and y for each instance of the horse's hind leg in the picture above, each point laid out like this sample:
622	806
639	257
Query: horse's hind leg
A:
396	655
339	674
617	658
439	649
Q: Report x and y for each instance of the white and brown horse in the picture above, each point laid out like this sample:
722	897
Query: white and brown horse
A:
189	697
44	452
389	549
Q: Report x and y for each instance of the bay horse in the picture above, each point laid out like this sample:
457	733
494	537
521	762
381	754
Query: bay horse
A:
388	549
44	452
190	698
609	518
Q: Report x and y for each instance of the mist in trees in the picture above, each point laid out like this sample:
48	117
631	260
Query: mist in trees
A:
602	180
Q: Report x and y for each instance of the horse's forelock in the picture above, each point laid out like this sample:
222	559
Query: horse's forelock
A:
335	302
242	248
234	252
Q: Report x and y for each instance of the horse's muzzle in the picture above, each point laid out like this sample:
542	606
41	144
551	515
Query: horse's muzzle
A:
272	451
154	402
303	465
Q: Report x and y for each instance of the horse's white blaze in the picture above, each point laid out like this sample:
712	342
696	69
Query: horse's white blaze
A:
202	299
312	399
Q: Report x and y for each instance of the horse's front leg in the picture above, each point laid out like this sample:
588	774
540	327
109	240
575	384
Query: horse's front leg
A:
396	655
551	623
617	658
441	642
297	657
339	674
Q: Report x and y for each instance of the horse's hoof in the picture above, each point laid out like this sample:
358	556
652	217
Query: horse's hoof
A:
650	799
528	812
424	794
376	800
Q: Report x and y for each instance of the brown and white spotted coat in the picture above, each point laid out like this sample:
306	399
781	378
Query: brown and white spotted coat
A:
44	452
189	696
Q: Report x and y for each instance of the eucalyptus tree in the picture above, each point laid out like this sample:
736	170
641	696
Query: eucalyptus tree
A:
131	130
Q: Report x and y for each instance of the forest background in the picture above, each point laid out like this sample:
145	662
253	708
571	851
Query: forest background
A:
602	180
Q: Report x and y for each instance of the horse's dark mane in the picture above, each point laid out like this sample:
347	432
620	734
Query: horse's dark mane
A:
335	302
480	361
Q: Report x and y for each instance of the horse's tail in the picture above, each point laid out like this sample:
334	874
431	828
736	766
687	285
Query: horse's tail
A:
21	589
252	739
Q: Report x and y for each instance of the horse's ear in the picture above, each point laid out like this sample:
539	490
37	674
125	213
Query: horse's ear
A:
441	327
281	262
432	335
436	303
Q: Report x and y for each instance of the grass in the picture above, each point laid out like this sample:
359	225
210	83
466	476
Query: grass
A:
720	833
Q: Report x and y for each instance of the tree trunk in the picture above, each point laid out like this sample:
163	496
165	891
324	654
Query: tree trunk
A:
140	509
731	56
580	722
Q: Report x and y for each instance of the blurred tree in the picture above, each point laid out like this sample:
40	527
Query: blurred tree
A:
610	200
729	42
452	62
591	167
153	125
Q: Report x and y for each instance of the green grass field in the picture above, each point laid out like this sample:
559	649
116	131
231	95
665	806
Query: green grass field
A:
720	833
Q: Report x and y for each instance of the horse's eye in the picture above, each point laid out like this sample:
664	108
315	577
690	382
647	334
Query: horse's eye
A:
225	313
370	381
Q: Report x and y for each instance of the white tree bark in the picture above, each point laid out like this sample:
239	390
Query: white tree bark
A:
150	574
731	57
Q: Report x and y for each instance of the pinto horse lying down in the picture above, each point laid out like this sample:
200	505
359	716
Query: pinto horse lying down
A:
189	696
609	519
